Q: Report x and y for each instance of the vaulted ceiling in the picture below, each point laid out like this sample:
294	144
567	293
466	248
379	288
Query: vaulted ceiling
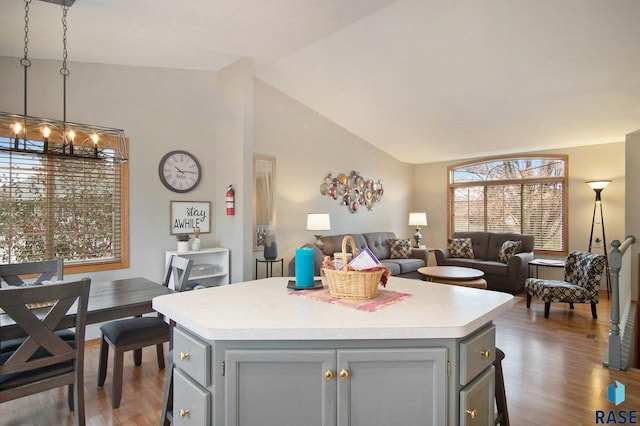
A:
424	80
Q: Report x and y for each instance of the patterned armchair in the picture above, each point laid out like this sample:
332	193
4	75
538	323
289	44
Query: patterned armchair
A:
582	275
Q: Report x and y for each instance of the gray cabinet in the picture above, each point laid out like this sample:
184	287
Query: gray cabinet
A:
334	382
191	376
477	401
399	386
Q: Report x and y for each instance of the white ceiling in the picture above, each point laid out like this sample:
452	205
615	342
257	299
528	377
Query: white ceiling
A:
424	80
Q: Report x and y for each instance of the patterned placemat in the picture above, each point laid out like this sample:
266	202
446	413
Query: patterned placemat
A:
382	299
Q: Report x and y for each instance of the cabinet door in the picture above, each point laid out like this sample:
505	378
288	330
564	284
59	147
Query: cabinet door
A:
392	387
477	400
191	402
280	387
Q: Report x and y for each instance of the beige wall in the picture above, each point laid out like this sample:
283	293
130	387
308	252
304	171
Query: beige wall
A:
592	162
224	117
160	110
307	146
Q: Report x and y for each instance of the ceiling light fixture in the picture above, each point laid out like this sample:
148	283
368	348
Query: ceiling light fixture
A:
23	133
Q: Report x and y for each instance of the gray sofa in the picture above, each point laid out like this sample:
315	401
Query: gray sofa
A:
378	243
509	277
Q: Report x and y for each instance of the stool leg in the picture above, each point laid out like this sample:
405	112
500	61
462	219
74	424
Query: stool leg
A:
547	307
167	403
501	395
116	392
137	357
102	363
160	355
528	300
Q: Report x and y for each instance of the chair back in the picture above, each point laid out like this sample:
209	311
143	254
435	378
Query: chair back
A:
584	269
178	271
43	360
14	273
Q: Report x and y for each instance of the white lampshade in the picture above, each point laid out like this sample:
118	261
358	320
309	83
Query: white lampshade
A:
418	219
318	222
598	184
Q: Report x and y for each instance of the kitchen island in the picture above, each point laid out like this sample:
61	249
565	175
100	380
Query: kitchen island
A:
254	354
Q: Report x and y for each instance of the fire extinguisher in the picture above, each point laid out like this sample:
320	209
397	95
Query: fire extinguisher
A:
230	201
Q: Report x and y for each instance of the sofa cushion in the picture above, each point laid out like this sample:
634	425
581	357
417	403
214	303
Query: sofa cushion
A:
496	239
399	249
479	241
461	248
406	265
378	243
455	261
508	250
393	265
490	267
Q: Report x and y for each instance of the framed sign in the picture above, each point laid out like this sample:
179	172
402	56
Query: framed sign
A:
187	215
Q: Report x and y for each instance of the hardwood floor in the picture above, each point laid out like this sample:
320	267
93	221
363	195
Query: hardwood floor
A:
553	375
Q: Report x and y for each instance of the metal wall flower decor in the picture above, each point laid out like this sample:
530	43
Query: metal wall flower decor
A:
352	190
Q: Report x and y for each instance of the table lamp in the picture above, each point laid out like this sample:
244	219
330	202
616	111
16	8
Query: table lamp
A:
317	222
417	219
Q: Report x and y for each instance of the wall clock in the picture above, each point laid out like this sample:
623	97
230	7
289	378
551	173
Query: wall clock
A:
180	171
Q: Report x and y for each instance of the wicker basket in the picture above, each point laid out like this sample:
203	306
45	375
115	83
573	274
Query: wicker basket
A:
348	284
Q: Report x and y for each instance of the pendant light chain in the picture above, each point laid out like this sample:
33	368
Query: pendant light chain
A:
64	70
25	62
55	137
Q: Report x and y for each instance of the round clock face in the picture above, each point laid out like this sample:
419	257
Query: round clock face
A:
180	171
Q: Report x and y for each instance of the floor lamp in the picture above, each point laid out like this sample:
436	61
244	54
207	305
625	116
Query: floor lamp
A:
598	186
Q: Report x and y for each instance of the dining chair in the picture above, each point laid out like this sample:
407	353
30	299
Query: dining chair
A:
133	334
33	273
14	273
42	360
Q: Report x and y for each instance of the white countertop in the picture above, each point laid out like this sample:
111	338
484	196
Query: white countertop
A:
264	310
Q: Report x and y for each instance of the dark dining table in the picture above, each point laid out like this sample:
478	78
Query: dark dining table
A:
108	300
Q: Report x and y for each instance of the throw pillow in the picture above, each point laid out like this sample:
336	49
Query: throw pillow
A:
508	249
400	249
461	248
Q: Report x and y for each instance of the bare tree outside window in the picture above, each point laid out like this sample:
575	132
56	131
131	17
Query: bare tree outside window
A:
55	206
524	195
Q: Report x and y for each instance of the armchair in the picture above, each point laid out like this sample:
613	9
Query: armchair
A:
582	274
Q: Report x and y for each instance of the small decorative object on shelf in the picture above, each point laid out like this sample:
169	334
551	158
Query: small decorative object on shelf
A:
352	190
196	245
270	246
183	242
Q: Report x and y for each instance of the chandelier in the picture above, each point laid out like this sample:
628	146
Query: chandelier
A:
27	134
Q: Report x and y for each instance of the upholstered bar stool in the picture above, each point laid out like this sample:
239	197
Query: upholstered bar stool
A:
137	333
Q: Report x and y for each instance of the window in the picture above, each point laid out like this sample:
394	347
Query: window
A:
524	195
62	206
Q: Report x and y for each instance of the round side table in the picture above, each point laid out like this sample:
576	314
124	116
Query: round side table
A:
269	266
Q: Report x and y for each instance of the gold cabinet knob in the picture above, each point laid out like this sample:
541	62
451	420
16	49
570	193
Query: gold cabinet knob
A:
472	413
329	374
486	353
184	355
183	412
344	374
